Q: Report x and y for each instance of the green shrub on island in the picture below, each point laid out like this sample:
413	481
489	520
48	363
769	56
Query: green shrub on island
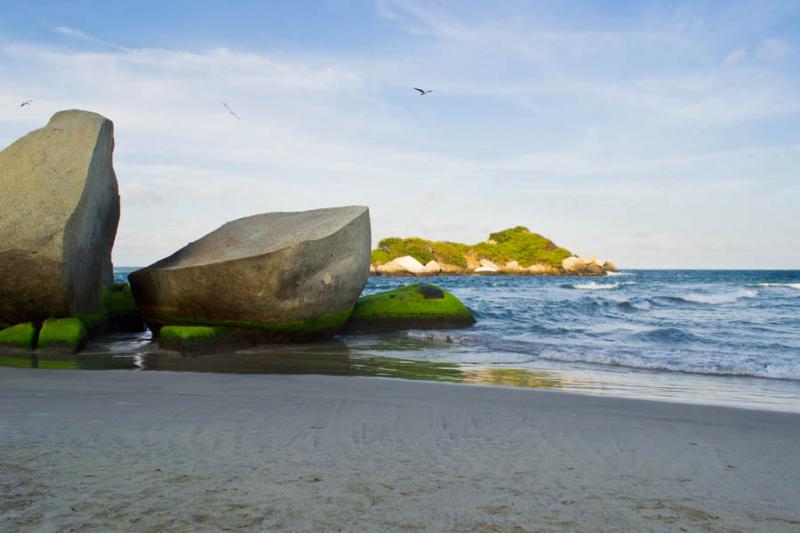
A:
415	306
20	336
513	244
63	334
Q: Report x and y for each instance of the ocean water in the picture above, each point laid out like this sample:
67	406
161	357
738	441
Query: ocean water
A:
719	337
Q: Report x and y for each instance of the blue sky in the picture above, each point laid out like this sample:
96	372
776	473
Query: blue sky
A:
656	134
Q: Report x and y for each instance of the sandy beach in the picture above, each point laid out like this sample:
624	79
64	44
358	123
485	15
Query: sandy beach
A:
139	451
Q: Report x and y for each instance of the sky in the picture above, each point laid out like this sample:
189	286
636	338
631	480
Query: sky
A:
654	134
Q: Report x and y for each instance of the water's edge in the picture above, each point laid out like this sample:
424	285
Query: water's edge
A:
717	337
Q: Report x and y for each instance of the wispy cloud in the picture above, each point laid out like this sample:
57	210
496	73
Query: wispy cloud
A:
79	35
735	56
72	32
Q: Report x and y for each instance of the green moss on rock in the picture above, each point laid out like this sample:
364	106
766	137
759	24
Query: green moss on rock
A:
97	320
123	312
63	335
194	338
18	337
295	330
415	306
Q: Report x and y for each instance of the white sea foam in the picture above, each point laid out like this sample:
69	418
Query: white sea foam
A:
593	285
787	285
722	298
742	368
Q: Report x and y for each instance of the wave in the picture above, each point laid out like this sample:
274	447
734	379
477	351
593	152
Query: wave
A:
791	285
751	370
612	274
630	306
670	335
710	299
592	286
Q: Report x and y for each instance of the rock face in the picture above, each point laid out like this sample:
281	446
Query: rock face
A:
583	266
407	265
59	209
487	267
432	267
402	265
291	276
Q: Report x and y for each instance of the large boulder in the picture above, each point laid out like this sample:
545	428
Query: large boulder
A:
402	266
415	306
432	267
407	265
59	209
583	266
288	276
487	267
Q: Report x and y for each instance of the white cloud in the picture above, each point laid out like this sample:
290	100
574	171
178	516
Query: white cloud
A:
71	32
735	56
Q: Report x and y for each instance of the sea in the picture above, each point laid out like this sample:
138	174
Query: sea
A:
692	336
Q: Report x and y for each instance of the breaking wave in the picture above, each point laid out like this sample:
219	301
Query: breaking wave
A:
592	286
713	298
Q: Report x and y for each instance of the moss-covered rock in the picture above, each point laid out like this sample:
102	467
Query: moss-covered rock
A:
197	338
21	337
202	336
98	321
124	314
311	329
67	335
415	306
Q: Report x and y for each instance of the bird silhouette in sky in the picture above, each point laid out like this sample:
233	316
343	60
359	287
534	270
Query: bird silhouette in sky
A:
423	92
26	102
231	111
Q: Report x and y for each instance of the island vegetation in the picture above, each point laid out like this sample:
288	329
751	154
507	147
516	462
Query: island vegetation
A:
513	250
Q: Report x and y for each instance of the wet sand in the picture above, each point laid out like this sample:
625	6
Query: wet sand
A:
140	451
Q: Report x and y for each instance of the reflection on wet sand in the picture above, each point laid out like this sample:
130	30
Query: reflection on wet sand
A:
513	377
68	362
18	361
335	357
326	358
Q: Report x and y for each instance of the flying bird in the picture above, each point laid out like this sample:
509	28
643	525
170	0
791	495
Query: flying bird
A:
26	102
423	92
231	111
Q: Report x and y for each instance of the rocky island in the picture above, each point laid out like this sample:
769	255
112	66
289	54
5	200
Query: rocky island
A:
515	251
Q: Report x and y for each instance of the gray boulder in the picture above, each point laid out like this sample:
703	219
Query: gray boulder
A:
278	276
59	209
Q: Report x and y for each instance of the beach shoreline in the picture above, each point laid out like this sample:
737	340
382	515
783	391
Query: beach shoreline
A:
145	451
